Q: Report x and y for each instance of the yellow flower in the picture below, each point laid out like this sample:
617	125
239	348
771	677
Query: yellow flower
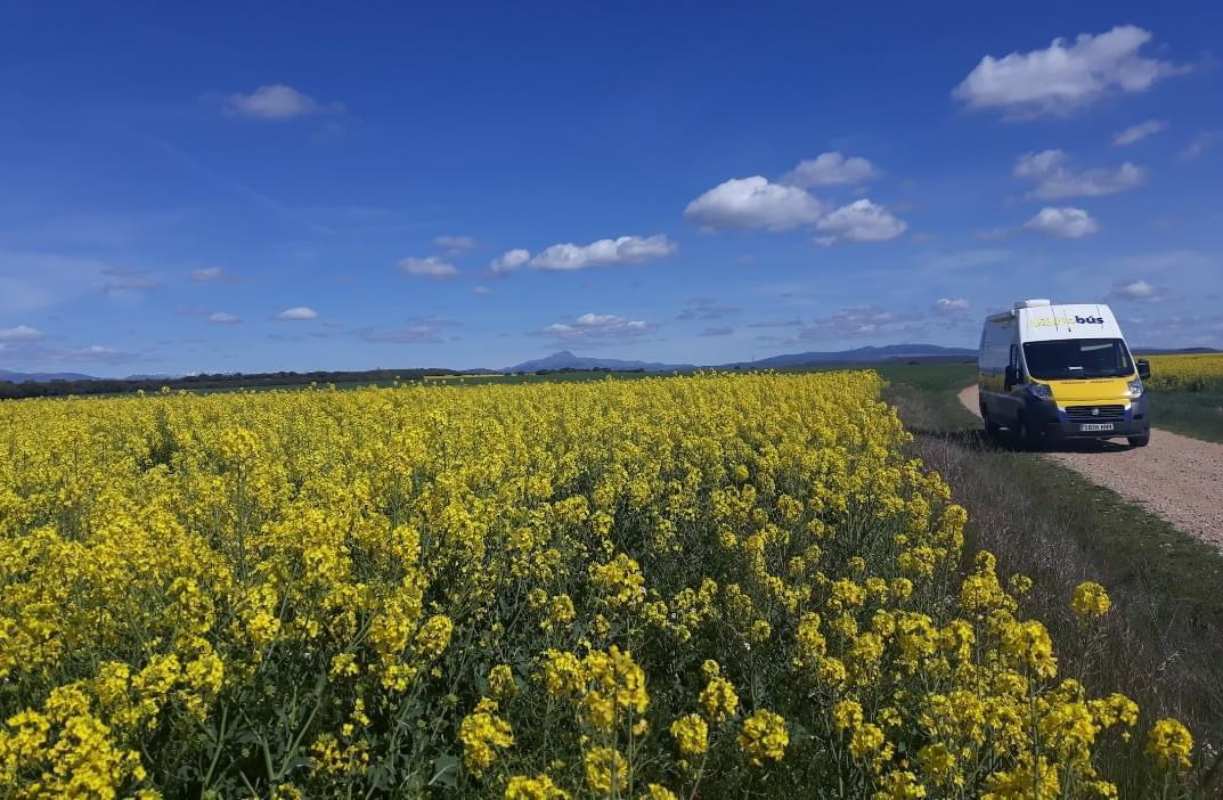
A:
900	785
482	733
1090	600
719	700
619	581
939	764
832	672
763	737
563	673
1170	744
1029	780
691	735
541	787
1019	584
615	687
501	684
434	636
606	770
868	743
810	645
560	612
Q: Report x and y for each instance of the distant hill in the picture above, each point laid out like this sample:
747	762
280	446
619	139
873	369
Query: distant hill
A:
42	377
156	376
567	360
860	355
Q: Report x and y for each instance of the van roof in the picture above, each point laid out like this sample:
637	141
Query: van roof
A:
1067	321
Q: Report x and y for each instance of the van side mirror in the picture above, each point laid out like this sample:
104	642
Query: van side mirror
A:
1144	368
1012	375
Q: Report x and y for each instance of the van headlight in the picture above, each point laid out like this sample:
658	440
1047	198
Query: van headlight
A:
1134	388
1040	391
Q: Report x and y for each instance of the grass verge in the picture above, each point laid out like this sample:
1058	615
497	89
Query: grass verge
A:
1196	414
1163	642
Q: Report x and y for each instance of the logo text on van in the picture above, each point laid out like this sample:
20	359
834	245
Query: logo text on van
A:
1049	322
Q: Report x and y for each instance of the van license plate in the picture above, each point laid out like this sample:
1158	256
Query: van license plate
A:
1096	426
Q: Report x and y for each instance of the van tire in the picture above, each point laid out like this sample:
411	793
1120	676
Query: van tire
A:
1142	440
1027	438
992	429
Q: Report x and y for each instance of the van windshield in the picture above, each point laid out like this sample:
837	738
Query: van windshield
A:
1078	358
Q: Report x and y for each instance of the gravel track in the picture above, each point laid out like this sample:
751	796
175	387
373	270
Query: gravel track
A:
1176	477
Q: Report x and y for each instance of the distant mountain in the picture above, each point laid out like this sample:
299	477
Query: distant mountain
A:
860	355
567	360
23	377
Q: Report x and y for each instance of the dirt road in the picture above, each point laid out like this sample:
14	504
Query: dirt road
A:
1176	477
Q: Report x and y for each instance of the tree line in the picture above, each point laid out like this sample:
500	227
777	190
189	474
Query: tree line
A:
208	382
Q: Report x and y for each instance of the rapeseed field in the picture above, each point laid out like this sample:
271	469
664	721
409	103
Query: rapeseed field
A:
1187	373
707	586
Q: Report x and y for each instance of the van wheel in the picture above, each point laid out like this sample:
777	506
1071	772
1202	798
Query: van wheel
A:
1027	438
1139	441
991	428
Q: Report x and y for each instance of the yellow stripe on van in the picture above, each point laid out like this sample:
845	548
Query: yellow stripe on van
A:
1091	391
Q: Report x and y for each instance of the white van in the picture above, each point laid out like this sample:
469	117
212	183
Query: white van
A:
1049	372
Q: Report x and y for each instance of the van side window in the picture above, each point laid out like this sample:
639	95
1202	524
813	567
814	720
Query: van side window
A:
1015	357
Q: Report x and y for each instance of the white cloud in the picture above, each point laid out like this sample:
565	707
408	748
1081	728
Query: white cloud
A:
1200	144
224	318
754	203
207	274
21	333
951	305
1064	77
481	290
830	169
598	326
861	221
860	322
431	267
93	353
1054	178
298	313
30	350
455	244
1136	133
1064	223
624	250
510	260
1184	267
277	102
705	308
121	281
417	331
34	281
1139	290
993	234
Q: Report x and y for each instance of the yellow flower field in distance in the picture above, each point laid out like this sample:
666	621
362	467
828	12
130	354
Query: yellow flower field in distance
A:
704	586
1187	373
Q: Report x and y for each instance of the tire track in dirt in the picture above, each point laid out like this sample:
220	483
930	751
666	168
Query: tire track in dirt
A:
1176	477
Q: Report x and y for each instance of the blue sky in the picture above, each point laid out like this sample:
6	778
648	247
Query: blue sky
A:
236	187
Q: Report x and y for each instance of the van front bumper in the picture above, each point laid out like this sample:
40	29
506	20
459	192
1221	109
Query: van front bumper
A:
1056	424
